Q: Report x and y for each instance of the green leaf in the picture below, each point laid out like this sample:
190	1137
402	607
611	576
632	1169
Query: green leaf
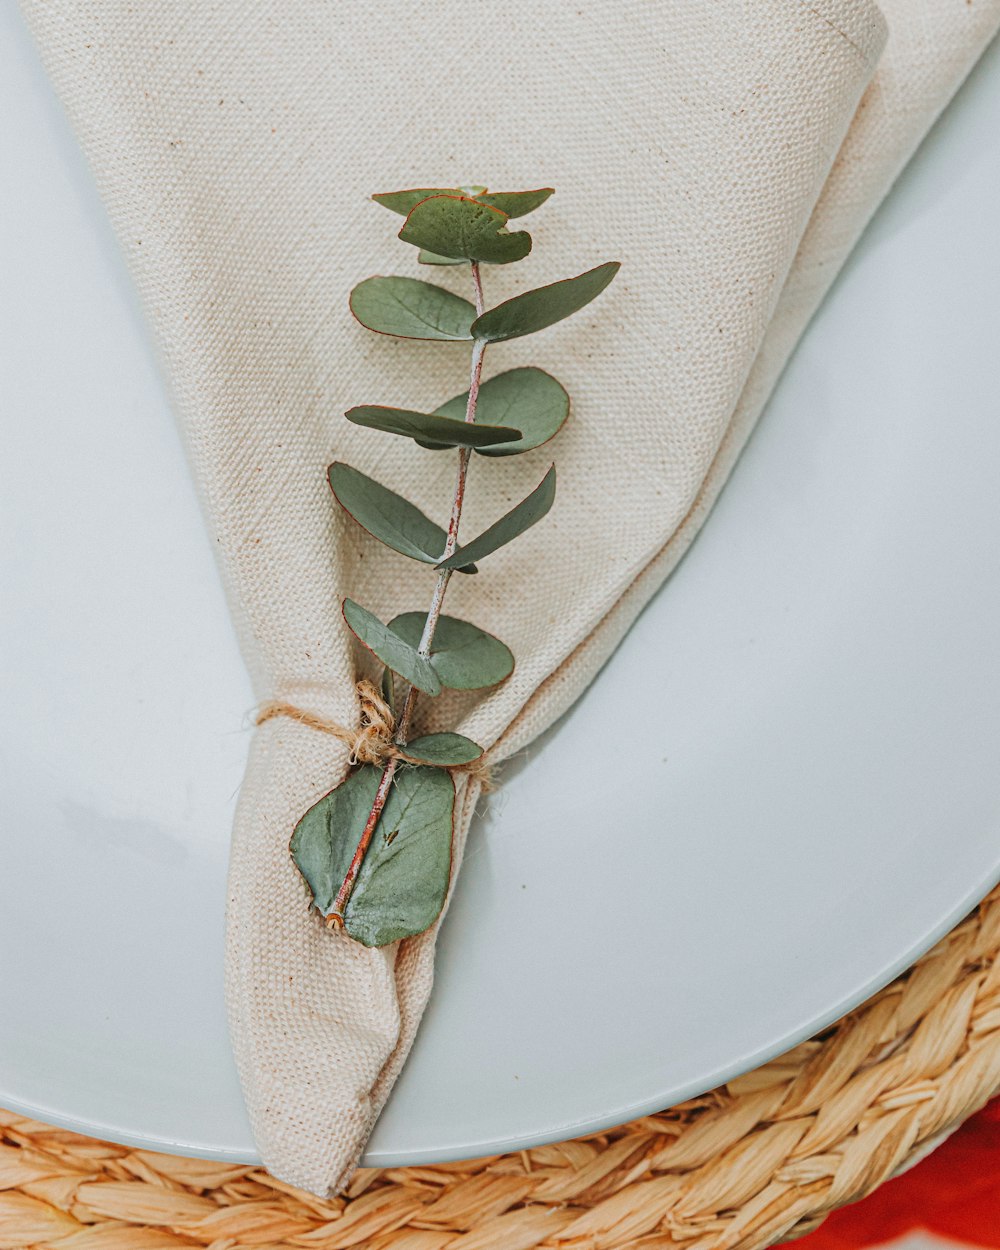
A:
411	309
464	228
535	310
428	427
392	519
325	838
388	684
403	881
389	517
444	750
520	518
429	258
517	203
404	876
403	201
513	203
384	642
464	656
529	398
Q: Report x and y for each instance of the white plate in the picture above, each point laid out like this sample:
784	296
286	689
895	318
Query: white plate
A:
816	804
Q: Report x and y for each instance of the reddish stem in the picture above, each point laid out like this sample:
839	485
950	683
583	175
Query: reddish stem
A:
335	920
336	917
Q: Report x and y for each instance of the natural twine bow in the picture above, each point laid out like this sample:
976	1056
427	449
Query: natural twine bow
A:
373	741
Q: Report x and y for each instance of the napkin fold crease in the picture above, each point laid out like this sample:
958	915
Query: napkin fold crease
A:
729	153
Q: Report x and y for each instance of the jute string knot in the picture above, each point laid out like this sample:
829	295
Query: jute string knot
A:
373	741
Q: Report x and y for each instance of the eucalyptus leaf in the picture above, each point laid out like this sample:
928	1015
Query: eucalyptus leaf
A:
325	838
411	309
464	656
389	517
464	228
542	307
444	750
517	203
529	398
388	685
520	518
403	880
429	258
403	202
392	648
513	203
429	428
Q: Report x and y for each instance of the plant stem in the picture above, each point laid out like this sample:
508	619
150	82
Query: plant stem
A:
335	920
444	576
336	917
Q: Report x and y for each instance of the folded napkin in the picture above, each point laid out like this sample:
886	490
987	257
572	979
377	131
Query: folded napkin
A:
236	146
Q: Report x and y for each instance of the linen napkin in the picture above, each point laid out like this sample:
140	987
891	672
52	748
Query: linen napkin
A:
236	146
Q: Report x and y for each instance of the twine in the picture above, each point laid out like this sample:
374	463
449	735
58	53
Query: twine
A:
373	741
760	1160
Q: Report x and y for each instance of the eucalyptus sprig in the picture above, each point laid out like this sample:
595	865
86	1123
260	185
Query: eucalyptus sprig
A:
376	850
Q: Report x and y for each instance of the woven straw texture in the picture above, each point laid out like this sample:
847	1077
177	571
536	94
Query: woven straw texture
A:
236	144
759	1160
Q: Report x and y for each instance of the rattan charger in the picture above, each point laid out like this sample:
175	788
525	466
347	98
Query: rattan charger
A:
756	1161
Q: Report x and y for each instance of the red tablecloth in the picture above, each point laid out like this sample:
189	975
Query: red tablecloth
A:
954	1194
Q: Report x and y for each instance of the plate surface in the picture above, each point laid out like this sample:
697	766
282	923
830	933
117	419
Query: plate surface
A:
816	803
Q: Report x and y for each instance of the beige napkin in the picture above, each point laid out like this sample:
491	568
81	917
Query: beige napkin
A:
236	145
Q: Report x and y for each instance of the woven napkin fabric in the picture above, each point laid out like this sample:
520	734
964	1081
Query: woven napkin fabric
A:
236	145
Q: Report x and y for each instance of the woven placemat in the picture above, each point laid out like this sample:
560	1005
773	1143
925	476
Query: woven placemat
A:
761	1159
